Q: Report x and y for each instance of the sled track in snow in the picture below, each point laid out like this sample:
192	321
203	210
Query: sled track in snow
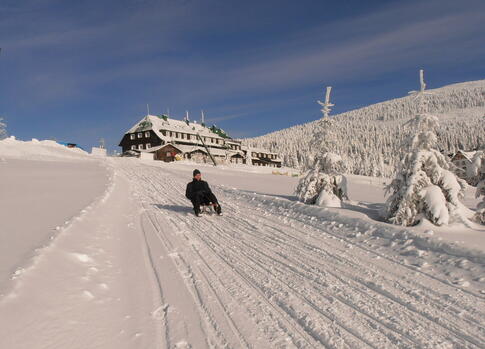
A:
299	284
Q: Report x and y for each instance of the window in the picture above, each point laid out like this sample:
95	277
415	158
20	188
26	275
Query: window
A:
148	145
176	135
147	134
140	135
182	135
188	137
132	136
163	132
140	146
133	147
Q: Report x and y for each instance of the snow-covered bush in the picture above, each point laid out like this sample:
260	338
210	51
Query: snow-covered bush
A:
424	186
478	169
3	129
324	185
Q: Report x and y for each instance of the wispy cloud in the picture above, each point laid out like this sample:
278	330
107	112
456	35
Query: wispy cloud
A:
434	39
221	56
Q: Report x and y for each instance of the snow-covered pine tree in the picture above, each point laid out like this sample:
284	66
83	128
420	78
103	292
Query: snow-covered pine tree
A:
3	129
378	130
324	185
475	172
478	169
424	185
326	106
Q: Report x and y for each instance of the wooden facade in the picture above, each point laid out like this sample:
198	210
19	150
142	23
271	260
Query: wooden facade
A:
140	141
167	153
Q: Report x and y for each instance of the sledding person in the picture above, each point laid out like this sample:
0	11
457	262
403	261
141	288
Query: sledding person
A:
199	193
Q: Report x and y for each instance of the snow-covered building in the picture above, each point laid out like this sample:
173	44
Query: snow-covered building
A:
463	161
262	157
169	139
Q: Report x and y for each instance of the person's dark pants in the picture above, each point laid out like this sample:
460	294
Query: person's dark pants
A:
202	198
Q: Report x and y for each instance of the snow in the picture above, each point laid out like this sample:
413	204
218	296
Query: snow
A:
370	139
38	150
156	123
326	199
435	203
98	151
38	196
135	269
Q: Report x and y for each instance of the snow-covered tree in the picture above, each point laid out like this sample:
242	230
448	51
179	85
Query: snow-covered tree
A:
326	106
324	185
424	185
475	172
3	129
370	139
478	168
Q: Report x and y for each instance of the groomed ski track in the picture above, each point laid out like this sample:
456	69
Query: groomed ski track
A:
265	276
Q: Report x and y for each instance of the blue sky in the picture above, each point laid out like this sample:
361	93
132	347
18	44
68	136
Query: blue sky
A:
81	70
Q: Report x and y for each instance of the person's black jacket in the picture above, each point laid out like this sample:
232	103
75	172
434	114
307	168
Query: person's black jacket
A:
196	186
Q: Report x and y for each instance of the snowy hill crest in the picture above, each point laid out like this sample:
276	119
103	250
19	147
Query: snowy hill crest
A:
377	131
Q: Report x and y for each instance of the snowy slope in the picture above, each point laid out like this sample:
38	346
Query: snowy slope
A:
136	269
38	150
377	133
43	186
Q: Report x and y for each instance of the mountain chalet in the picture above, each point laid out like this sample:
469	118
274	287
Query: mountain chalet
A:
169	139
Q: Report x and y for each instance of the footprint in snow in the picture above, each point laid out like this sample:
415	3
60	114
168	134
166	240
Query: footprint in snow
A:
103	286
81	257
182	345
88	295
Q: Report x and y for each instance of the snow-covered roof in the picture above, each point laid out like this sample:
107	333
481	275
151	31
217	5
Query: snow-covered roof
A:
467	154
157	123
257	150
